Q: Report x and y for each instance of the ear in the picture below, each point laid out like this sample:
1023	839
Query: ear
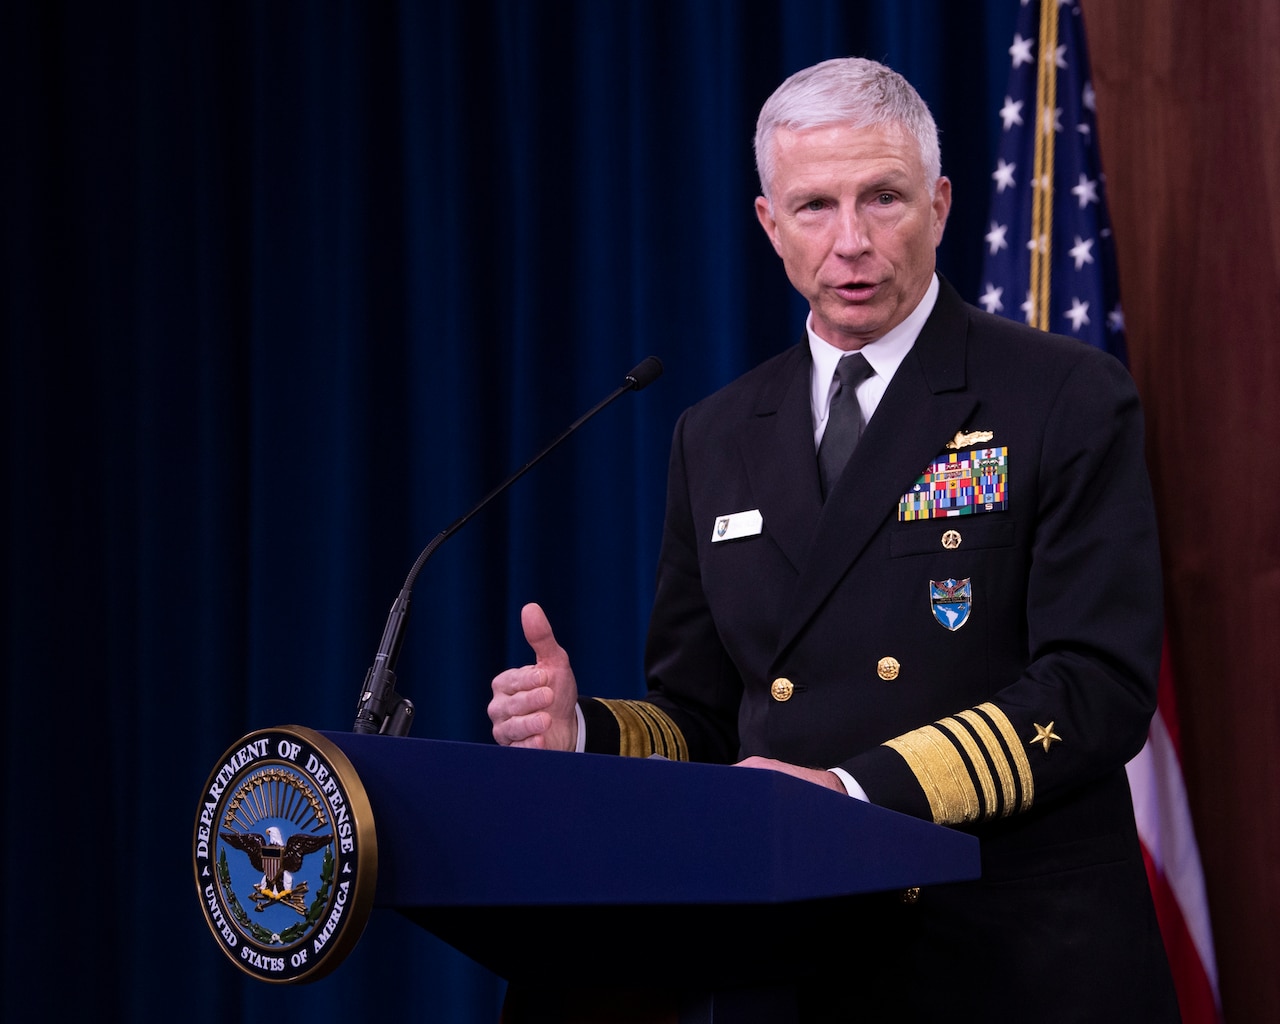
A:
941	208
764	214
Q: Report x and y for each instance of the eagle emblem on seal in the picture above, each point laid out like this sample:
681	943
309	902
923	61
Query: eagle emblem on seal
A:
277	859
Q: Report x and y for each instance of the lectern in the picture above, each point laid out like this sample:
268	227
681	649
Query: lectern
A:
583	879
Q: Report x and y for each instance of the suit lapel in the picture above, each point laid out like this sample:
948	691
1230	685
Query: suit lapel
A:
925	404
777	447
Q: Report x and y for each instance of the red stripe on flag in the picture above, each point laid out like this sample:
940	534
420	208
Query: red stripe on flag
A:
1195	993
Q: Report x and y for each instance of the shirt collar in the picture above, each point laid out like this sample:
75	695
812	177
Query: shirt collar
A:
884	354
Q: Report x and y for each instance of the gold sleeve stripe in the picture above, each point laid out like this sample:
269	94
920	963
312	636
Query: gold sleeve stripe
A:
980	770
953	759
1016	752
668	739
938	767
995	751
646	729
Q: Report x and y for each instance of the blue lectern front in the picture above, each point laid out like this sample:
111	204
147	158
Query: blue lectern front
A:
648	882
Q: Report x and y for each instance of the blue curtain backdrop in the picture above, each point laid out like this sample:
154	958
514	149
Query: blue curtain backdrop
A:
287	287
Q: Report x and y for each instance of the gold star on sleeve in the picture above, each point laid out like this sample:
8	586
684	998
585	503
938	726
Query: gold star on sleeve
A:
1044	735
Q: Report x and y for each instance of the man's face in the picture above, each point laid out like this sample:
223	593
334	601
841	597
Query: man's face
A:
855	226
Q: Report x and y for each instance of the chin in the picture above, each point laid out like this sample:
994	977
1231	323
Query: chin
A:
861	331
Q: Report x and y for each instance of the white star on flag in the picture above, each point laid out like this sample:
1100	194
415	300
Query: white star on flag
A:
1078	314
1020	51
1011	112
990	300
996	237
1086	191
1080	252
1003	176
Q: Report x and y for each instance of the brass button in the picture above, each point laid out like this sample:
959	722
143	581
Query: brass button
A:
888	668
782	689
951	540
911	895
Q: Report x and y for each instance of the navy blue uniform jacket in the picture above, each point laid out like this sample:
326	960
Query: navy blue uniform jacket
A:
1015	725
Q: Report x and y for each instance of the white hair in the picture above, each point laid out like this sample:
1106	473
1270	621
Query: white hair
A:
850	91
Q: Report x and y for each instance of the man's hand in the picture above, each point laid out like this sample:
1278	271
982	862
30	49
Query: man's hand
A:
817	776
535	706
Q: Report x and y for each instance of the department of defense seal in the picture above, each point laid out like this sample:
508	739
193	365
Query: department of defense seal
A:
286	855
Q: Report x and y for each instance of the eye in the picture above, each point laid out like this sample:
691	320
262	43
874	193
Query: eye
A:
886	199
814	205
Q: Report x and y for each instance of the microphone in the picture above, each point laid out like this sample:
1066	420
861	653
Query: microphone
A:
380	709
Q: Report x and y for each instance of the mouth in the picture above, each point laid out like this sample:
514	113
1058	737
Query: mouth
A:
856	291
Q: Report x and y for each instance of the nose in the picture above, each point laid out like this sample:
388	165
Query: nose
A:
851	235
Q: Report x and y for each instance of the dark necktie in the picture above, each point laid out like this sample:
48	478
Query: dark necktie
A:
844	421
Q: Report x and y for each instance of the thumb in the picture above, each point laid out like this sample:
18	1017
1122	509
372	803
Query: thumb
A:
537	632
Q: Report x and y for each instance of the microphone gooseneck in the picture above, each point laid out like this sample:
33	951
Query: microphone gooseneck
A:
380	709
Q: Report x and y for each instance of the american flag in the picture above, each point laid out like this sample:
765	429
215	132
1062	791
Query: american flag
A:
1050	255
1050	261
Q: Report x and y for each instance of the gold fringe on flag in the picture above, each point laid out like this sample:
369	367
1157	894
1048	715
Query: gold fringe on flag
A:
1042	201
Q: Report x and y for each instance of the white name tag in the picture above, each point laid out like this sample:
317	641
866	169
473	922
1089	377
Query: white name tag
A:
737	524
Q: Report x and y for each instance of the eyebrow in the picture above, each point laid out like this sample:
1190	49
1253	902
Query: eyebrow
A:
890	181
893	181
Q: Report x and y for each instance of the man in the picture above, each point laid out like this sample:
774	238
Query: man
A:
962	622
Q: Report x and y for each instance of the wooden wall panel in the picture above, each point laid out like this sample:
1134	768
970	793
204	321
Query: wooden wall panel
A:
1189	118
